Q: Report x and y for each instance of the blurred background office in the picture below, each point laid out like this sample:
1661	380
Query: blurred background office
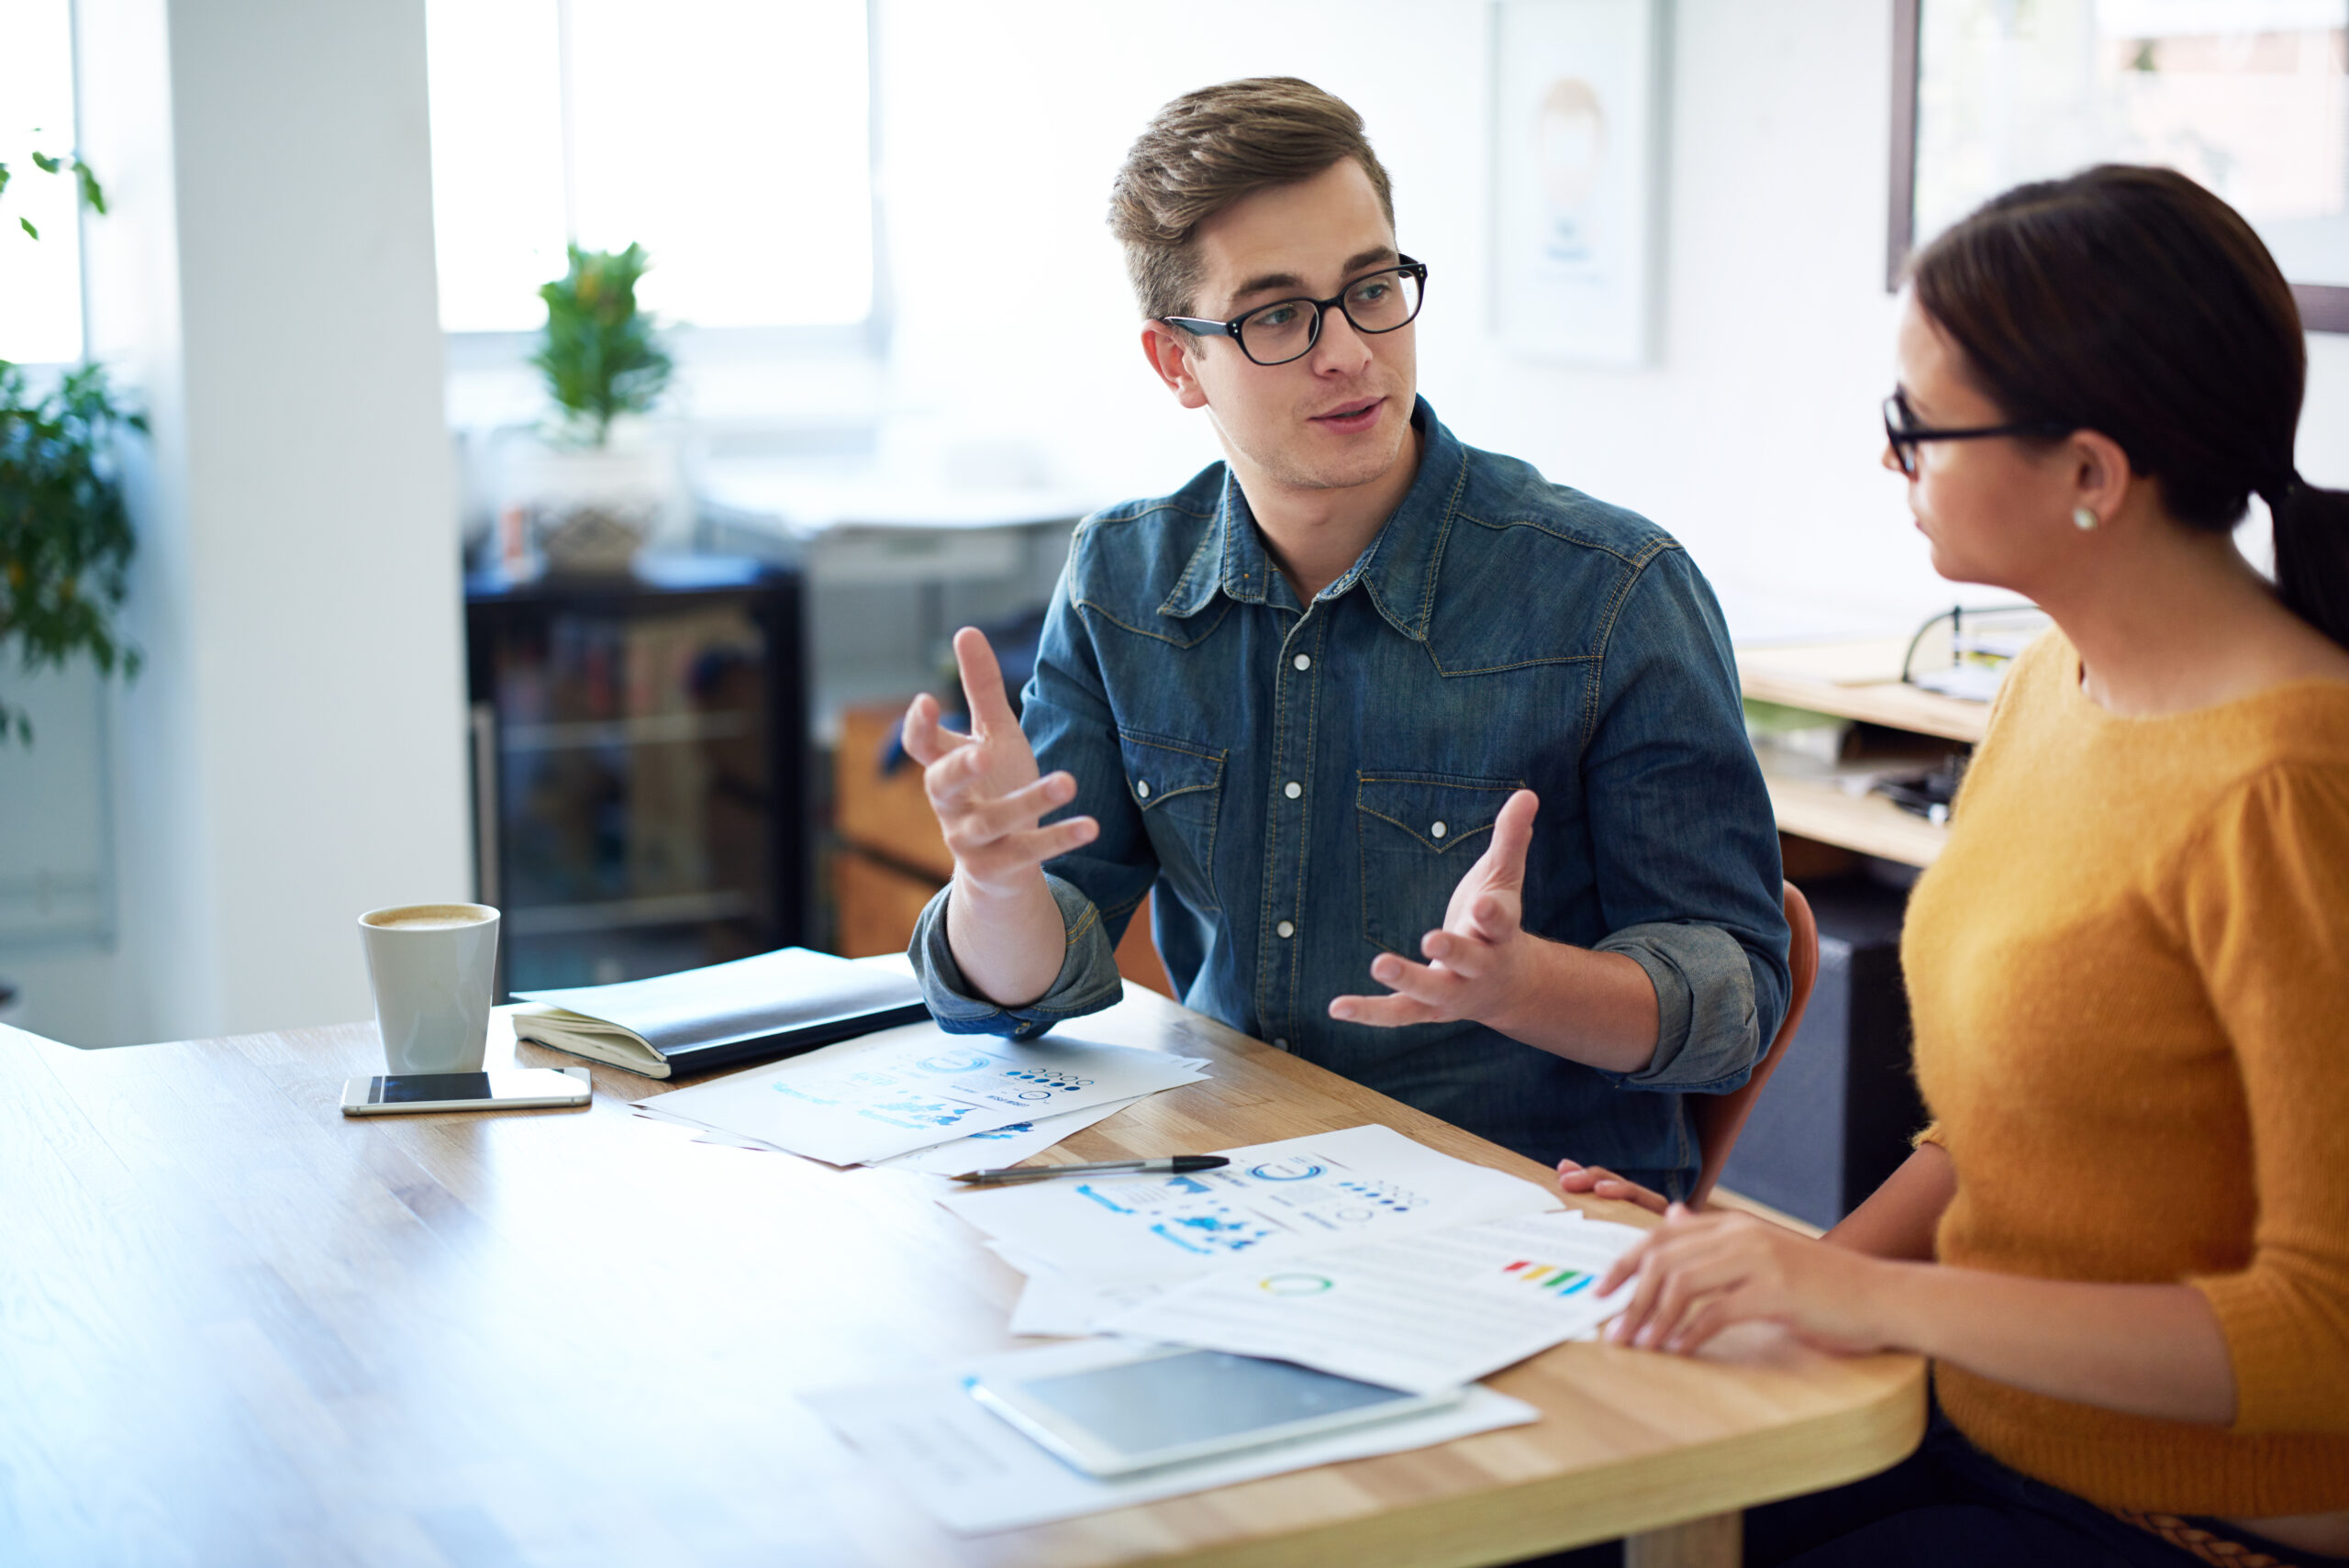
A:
408	631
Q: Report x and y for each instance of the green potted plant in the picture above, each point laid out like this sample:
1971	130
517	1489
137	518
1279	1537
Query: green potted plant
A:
601	480
65	537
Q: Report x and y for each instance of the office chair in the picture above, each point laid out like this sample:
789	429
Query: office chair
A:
1720	1118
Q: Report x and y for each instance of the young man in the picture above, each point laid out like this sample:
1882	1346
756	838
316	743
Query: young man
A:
1363	705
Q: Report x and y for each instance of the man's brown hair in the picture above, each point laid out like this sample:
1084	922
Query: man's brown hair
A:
1205	150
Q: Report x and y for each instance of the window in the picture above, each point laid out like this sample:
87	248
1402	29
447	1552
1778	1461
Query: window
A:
728	138
2247	96
41	280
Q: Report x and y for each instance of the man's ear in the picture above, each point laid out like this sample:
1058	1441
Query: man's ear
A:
1173	354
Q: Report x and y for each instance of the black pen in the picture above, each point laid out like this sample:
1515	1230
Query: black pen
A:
1174	1165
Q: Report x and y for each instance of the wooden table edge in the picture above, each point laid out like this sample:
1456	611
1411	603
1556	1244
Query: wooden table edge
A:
1505	1524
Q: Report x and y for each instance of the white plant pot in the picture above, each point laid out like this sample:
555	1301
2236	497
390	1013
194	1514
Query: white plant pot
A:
590	509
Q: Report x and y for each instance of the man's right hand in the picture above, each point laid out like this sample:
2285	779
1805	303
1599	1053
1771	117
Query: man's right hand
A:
984	785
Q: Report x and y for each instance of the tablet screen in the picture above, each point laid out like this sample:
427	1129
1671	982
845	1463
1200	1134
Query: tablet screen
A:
1196	1397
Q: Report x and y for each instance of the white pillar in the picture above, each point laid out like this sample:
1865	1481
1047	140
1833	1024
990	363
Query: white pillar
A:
293	752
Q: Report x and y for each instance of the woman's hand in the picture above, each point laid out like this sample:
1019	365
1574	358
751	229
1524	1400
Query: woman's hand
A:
1597	1181
1698	1274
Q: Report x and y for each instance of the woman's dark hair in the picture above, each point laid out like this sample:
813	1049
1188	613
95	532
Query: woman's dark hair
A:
2132	302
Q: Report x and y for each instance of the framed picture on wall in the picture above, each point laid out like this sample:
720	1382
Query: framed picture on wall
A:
1577	104
2250	97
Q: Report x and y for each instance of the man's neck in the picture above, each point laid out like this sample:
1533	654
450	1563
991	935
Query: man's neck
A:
1314	535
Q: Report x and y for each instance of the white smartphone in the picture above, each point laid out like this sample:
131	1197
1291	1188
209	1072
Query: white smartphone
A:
521	1089
1170	1404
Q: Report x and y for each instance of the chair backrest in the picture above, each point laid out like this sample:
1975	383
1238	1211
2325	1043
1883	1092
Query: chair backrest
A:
1720	1118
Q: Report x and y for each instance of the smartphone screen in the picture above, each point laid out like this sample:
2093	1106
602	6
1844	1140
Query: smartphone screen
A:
1168	1402
429	1088
407	1088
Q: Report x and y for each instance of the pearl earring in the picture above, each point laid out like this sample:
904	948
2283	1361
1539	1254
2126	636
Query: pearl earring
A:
2083	519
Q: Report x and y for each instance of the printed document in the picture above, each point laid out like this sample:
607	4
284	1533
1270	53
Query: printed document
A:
973	1472
911	1087
1424	1312
1274	1200
1004	1145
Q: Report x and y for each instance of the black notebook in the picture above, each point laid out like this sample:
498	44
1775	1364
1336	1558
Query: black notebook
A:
752	1009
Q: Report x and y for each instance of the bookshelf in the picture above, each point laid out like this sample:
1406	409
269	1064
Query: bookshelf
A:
641	767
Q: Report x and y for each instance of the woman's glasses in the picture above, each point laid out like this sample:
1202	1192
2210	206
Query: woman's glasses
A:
1902	432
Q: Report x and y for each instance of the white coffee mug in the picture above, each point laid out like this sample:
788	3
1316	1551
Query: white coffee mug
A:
433	967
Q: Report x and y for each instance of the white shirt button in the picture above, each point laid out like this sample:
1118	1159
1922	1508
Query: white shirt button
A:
1287	929
1292	789
1438	831
1280	1045
1303	660
1142	789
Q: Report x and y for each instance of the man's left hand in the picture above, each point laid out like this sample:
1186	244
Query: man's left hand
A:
1480	964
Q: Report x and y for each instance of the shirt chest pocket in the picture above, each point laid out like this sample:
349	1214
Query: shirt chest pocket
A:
1178	788
1421	832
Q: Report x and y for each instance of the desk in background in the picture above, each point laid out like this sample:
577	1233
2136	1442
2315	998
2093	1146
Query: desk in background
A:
240	1328
892	567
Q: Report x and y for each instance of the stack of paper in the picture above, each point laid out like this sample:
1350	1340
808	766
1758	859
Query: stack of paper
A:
913	1088
1096	1248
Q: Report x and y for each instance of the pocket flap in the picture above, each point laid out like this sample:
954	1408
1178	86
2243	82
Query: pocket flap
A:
1158	769
1441	810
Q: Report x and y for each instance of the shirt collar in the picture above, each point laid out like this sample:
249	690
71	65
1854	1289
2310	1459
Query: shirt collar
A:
1397	571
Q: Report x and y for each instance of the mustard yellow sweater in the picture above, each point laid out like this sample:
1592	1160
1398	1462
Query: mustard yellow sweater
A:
2129	978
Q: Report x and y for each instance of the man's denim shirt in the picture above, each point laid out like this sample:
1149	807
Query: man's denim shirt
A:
1305	785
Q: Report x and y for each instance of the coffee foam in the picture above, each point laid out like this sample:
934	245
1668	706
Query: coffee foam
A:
431	918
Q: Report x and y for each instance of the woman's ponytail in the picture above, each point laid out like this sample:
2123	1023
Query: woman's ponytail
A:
2312	552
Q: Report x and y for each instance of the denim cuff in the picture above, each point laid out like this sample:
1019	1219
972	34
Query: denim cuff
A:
1705	1035
1087	984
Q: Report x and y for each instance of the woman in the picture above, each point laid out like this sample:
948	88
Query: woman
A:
2125	1240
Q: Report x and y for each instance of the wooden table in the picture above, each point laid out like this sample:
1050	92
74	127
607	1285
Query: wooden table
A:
238	1327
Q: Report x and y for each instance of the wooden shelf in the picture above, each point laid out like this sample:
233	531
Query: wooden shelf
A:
1813	808
1856	680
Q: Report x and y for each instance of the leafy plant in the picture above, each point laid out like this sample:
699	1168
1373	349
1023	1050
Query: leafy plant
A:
599	357
65	538
92	196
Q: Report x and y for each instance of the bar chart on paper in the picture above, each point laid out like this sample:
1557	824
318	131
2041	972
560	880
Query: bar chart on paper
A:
1424	1311
1555	1278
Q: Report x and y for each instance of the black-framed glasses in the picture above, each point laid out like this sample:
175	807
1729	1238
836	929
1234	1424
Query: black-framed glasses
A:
1286	329
1902	432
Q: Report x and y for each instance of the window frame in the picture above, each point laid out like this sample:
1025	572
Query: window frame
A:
2324	307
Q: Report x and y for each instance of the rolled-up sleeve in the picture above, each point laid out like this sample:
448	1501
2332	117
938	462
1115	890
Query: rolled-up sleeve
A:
1706	1030
1088	981
1687	846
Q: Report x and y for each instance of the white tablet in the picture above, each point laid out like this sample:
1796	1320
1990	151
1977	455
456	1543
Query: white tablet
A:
1168	1403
